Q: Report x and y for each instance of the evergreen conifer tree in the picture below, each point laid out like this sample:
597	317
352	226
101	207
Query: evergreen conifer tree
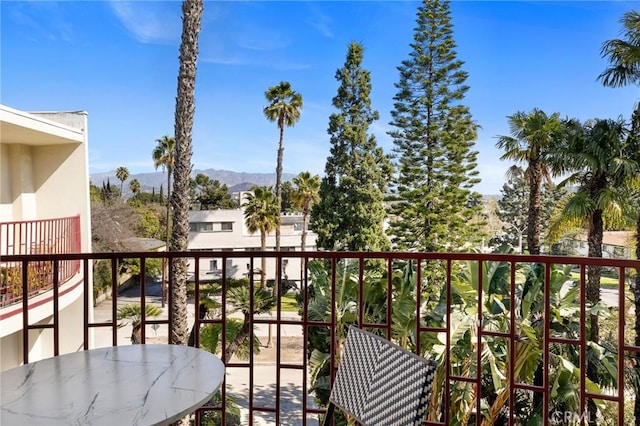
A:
434	134
350	213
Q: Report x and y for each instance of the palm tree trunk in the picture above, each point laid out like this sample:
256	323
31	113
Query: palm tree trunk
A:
237	341
279	186
165	264
303	244
191	21
593	296
136	334
263	261
636	298
533	228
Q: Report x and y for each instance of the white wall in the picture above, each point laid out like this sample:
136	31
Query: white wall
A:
240	240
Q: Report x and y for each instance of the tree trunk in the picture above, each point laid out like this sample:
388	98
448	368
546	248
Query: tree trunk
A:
303	244
191	20
202	313
636	298
533	221
593	296
240	337
263	261
279	186
136	334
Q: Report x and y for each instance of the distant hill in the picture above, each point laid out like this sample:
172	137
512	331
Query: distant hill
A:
235	181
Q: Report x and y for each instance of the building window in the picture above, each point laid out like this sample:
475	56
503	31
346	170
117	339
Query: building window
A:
226	226
201	227
213	265
287	249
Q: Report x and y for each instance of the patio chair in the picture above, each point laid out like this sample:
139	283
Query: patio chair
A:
379	383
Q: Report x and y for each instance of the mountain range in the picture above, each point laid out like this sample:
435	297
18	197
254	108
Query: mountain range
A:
235	181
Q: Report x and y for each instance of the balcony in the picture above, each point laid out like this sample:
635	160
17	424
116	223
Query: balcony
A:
510	333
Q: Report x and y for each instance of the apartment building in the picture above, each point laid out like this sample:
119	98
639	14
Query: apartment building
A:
225	230
44	208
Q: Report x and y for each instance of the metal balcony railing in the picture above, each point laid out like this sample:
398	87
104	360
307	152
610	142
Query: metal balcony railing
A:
52	236
511	333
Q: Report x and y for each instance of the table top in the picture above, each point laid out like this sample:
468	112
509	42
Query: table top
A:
149	384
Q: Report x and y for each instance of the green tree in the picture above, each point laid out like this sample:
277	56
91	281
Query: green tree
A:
95	194
350	213
305	195
623	54
287	205
513	206
283	109
122	173
134	186
108	192
164	156
133	313
624	58
433	204
533	136
211	194
180	200
600	162
261	215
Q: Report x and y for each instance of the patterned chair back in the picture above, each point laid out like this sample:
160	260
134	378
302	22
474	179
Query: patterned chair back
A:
379	383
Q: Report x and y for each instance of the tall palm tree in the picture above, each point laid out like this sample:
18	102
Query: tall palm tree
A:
180	200
600	161
122	173
533	135
283	109
623	54
305	195
261	214
164	156
134	186
624	58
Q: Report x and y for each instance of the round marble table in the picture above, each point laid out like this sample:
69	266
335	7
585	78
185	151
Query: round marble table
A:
124	385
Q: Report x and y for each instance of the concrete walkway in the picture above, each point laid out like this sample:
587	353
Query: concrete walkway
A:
237	379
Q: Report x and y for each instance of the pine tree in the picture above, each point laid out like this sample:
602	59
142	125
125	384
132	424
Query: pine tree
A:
433	204
350	214
514	207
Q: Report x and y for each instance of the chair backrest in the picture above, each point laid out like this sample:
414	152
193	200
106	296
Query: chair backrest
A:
380	383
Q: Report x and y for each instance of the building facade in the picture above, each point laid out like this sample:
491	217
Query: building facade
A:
225	230
44	208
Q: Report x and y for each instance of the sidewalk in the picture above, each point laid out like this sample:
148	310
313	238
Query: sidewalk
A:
237	379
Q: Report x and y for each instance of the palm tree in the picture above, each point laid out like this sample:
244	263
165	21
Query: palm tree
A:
122	173
180	200
164	156
533	135
133	313
284	109
601	163
623	54
134	186
624	58
261	215
305	195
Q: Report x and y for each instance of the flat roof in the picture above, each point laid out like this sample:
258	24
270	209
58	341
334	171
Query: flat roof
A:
19	127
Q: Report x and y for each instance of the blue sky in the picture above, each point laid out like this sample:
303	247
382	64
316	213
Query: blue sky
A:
118	61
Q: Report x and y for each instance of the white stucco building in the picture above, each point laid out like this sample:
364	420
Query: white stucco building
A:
44	208
225	230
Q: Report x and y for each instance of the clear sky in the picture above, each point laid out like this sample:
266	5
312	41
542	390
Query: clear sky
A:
118	61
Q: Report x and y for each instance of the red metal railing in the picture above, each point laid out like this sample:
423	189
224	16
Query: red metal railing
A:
510	333
50	236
